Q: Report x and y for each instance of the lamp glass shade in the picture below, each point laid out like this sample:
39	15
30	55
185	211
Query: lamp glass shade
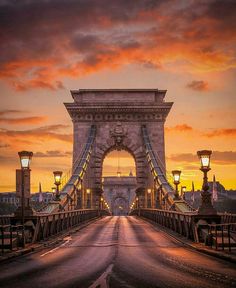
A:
53	189
57	177
184	188
149	190
176	175
88	191
25	157
118	174
204	156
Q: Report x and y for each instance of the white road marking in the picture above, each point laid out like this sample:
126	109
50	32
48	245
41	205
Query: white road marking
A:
67	240
101	282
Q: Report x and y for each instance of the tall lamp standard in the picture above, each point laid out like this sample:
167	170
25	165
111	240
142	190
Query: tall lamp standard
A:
176	176
206	207
137	203
57	179
25	158
149	200
183	190
88	192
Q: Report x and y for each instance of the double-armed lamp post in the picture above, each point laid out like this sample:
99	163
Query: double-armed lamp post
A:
206	207
57	179
176	176
25	158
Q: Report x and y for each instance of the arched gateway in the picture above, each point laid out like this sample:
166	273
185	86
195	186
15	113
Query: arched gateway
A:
118	116
105	120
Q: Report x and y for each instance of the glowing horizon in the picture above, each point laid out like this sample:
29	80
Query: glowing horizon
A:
187	48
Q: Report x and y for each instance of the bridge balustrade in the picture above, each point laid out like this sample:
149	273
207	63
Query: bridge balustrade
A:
52	224
181	223
5	219
227	218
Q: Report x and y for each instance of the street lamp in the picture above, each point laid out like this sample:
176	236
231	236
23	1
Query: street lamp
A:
206	204
176	176
25	158
183	190
57	179
149	191
88	191
54	189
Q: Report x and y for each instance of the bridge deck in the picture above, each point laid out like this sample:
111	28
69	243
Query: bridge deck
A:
131	251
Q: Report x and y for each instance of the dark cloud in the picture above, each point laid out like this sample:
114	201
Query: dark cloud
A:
221	132
52	153
218	157
198	85
8	111
2	145
26	120
40	134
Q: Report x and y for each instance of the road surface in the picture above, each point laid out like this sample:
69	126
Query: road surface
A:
115	252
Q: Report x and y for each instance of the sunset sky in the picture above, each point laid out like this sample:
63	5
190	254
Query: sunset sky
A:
48	48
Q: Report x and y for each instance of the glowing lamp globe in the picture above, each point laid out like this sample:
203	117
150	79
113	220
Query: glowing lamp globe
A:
204	156
57	177
25	158
176	176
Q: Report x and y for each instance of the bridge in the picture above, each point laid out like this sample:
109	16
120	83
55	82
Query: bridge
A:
88	247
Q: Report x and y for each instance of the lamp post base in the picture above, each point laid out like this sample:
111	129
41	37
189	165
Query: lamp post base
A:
206	207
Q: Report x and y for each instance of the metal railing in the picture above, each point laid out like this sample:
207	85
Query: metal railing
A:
5	219
228	218
10	237
182	223
52	224
220	236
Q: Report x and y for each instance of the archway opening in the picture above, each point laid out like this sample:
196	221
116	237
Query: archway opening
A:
119	181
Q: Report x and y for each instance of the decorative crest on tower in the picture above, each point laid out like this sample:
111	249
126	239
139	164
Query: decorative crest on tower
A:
118	133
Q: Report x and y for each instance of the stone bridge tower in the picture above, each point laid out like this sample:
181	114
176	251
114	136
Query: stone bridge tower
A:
118	115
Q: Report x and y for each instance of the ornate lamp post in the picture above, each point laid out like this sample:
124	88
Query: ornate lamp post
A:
183	190
88	191
176	176
149	192
25	158
57	179
206	207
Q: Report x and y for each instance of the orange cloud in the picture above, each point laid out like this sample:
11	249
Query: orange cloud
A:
179	128
90	39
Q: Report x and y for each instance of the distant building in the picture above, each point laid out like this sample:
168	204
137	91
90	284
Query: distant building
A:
119	193
44	197
10	198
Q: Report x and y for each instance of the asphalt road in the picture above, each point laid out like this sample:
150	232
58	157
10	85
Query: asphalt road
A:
118	252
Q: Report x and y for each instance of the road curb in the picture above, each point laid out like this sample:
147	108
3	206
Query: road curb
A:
47	243
194	246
